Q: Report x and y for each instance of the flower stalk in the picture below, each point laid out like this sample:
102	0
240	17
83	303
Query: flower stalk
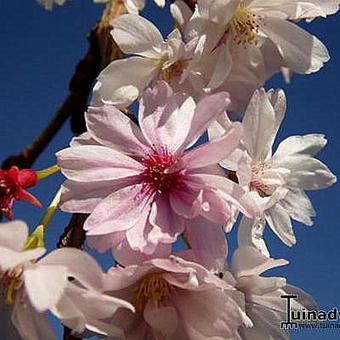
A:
36	239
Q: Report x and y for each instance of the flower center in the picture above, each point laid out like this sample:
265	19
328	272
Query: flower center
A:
12	281
174	71
152	287
155	174
244	26
7	191
257	184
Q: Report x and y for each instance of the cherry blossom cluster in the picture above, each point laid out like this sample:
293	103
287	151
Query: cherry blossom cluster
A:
152	182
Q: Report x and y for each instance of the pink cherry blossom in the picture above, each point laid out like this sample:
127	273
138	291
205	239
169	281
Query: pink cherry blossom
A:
138	183
174	299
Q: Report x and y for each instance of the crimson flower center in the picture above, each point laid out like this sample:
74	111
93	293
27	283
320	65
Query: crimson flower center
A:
155	174
7	192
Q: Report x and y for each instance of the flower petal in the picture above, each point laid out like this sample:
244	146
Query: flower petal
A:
308	145
279	221
94	163
136	35
79	265
249	261
118	85
302	52
208	243
114	129
250	233
163	319
261	123
10	258
13	235
159	114
119	211
211	152
45	285
206	111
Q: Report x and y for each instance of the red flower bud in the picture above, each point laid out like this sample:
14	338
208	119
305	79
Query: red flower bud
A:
13	183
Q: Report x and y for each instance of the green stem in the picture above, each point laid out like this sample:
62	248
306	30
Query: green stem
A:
47	172
36	239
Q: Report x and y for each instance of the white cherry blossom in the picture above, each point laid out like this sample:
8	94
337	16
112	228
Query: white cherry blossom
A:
276	180
31	286
259	35
123	81
264	305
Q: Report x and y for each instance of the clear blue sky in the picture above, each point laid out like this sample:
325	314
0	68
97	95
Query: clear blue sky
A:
39	51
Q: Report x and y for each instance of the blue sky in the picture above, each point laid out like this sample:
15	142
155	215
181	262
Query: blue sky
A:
39	52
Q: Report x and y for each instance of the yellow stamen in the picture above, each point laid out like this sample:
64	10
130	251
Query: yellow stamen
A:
244	26
152	287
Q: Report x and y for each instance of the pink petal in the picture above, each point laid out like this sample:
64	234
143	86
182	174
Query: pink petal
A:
218	319
83	197
211	152
186	201
96	163
164	319
125	255
119	211
114	129
167	225
206	111
208	243
159	114
231	192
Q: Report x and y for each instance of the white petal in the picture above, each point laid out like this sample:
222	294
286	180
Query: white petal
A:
307	173
134	6
118	85
13	235
279	221
302	52
79	264
136	35
10	258
45	285
249	261
219	11
261	123
30	324
250	233
222	67
298	206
